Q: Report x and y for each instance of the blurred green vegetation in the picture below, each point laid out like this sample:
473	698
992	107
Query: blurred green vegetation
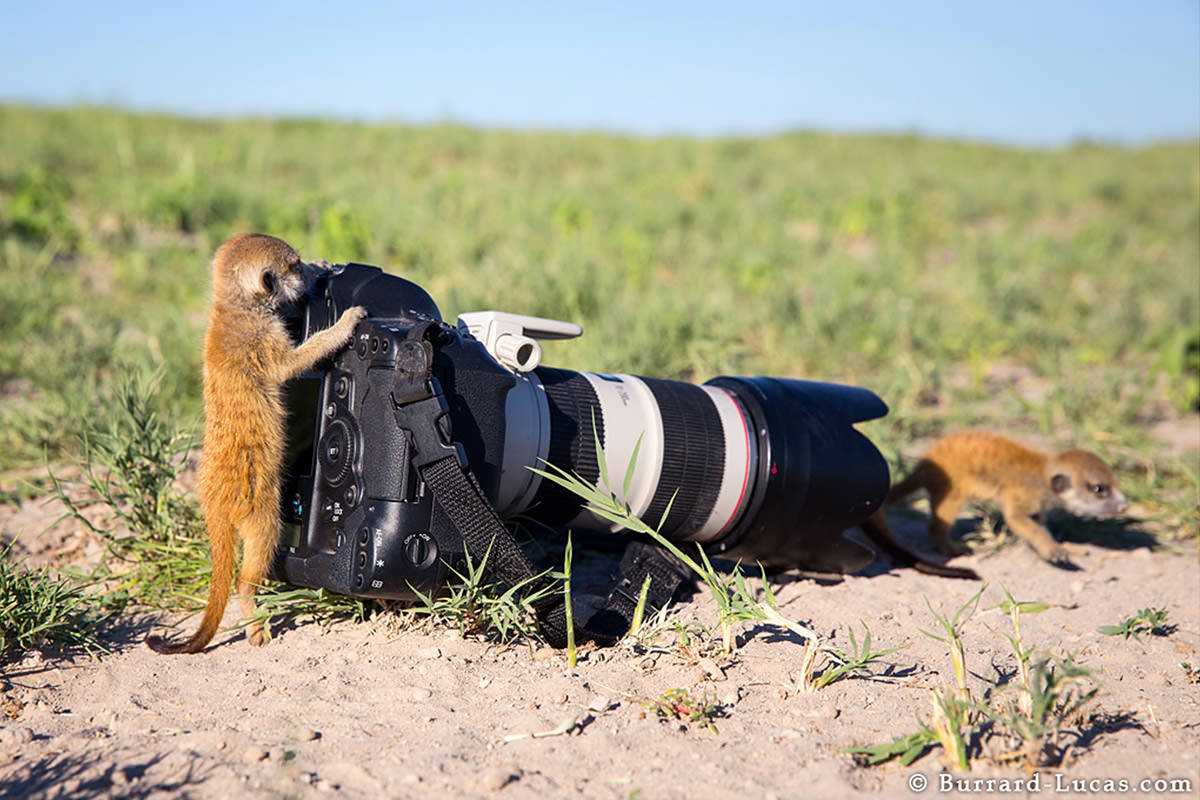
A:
925	270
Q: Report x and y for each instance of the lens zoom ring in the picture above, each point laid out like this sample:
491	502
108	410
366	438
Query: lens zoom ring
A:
572	402
693	458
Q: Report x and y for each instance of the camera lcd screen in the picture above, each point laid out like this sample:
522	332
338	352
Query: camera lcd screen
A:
303	395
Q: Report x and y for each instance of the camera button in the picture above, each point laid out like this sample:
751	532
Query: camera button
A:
351	496
336	451
420	549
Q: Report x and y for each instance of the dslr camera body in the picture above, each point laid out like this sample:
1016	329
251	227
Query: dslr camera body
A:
758	469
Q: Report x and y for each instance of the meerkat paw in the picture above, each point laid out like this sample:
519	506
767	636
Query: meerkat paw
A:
258	634
343	329
1060	558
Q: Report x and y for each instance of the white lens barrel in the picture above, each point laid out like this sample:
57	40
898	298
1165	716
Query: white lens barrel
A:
741	456
692	451
526	442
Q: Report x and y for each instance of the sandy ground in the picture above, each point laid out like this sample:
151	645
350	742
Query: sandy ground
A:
383	710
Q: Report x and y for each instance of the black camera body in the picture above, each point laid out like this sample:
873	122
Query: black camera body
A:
762	469
357	518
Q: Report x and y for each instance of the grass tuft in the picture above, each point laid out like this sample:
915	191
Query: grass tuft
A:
38	607
478	605
1025	720
1152	621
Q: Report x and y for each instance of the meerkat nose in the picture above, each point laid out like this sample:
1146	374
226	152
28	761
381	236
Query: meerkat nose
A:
311	272
1122	504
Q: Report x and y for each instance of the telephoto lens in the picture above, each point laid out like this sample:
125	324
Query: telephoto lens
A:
766	469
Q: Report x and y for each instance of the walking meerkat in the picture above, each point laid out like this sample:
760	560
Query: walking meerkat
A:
248	355
975	465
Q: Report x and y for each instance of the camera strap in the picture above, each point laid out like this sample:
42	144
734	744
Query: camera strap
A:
459	493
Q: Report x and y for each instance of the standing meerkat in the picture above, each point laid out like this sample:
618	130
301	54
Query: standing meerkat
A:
248	355
974	465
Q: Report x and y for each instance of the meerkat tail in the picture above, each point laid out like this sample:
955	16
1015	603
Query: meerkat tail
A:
943	571
877	530
221	543
915	480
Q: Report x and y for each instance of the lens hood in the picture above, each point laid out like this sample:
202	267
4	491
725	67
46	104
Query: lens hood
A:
817	476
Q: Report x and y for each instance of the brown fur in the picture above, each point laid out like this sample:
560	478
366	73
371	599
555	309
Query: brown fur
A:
248	355
975	465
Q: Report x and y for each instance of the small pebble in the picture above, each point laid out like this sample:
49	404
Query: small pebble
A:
600	702
309	735
429	653
731	698
711	669
495	779
419	694
254	754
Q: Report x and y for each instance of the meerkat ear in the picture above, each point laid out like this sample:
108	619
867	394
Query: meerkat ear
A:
1060	483
268	282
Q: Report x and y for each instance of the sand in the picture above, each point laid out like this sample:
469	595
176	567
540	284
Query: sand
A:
391	709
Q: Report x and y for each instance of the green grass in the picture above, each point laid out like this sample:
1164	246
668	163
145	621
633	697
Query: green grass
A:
858	662
910	266
683	706
1025	720
38	607
913	267
477	604
1151	621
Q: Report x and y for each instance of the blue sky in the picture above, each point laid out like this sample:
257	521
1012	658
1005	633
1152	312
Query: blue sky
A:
1039	73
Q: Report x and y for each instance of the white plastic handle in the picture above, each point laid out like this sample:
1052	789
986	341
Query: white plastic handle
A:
512	338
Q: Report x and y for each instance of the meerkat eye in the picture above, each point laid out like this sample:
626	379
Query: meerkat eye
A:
268	282
1100	490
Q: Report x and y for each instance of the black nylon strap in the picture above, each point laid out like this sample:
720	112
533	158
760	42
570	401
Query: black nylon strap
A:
460	495
641	560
